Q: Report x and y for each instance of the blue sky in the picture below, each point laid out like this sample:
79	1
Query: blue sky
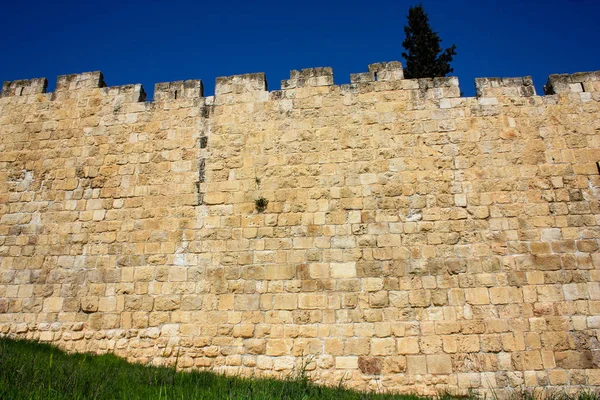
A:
148	42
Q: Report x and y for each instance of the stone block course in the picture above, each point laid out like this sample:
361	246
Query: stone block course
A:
411	235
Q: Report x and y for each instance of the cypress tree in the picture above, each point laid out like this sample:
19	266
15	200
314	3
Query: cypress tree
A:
422	44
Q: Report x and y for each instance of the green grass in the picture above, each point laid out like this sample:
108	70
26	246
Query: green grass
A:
30	370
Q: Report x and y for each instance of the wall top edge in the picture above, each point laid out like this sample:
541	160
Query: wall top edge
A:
313	77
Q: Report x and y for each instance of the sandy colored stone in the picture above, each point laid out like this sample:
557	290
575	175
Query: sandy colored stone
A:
409	234
380	347
416	365
343	270
408	345
439	364
346	362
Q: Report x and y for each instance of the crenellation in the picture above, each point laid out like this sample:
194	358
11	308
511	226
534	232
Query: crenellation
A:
190	89
24	87
505	87
238	84
126	93
387	71
441	87
362	77
309	77
85	80
241	88
407	238
573	83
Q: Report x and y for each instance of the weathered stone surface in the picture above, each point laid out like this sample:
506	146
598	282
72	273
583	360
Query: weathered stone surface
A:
369	365
410	235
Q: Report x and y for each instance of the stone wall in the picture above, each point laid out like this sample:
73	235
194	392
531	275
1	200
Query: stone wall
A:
413	240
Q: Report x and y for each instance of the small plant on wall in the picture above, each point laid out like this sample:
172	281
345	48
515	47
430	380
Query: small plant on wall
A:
261	204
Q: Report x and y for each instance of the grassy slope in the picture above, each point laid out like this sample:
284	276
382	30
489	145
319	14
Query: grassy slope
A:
31	370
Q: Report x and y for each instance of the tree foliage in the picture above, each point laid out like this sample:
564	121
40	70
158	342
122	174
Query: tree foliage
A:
424	56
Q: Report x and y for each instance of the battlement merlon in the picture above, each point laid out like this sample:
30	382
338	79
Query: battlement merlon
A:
573	83
127	93
505	87
24	87
387	71
85	80
444	87
241	88
309	77
189	89
383	71
239	84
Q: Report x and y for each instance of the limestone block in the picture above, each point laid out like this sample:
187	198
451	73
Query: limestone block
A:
395	364
312	300
477	296
357	346
285	301
53	304
278	347
447	327
245	302
277	272
244	331
439	364
505	295
528	360
335	346
416	365
255	346
319	270
370	365
167	302
575	291
343	270
468	344
574	359
408	345
381	347
346	362
378	299
558	377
